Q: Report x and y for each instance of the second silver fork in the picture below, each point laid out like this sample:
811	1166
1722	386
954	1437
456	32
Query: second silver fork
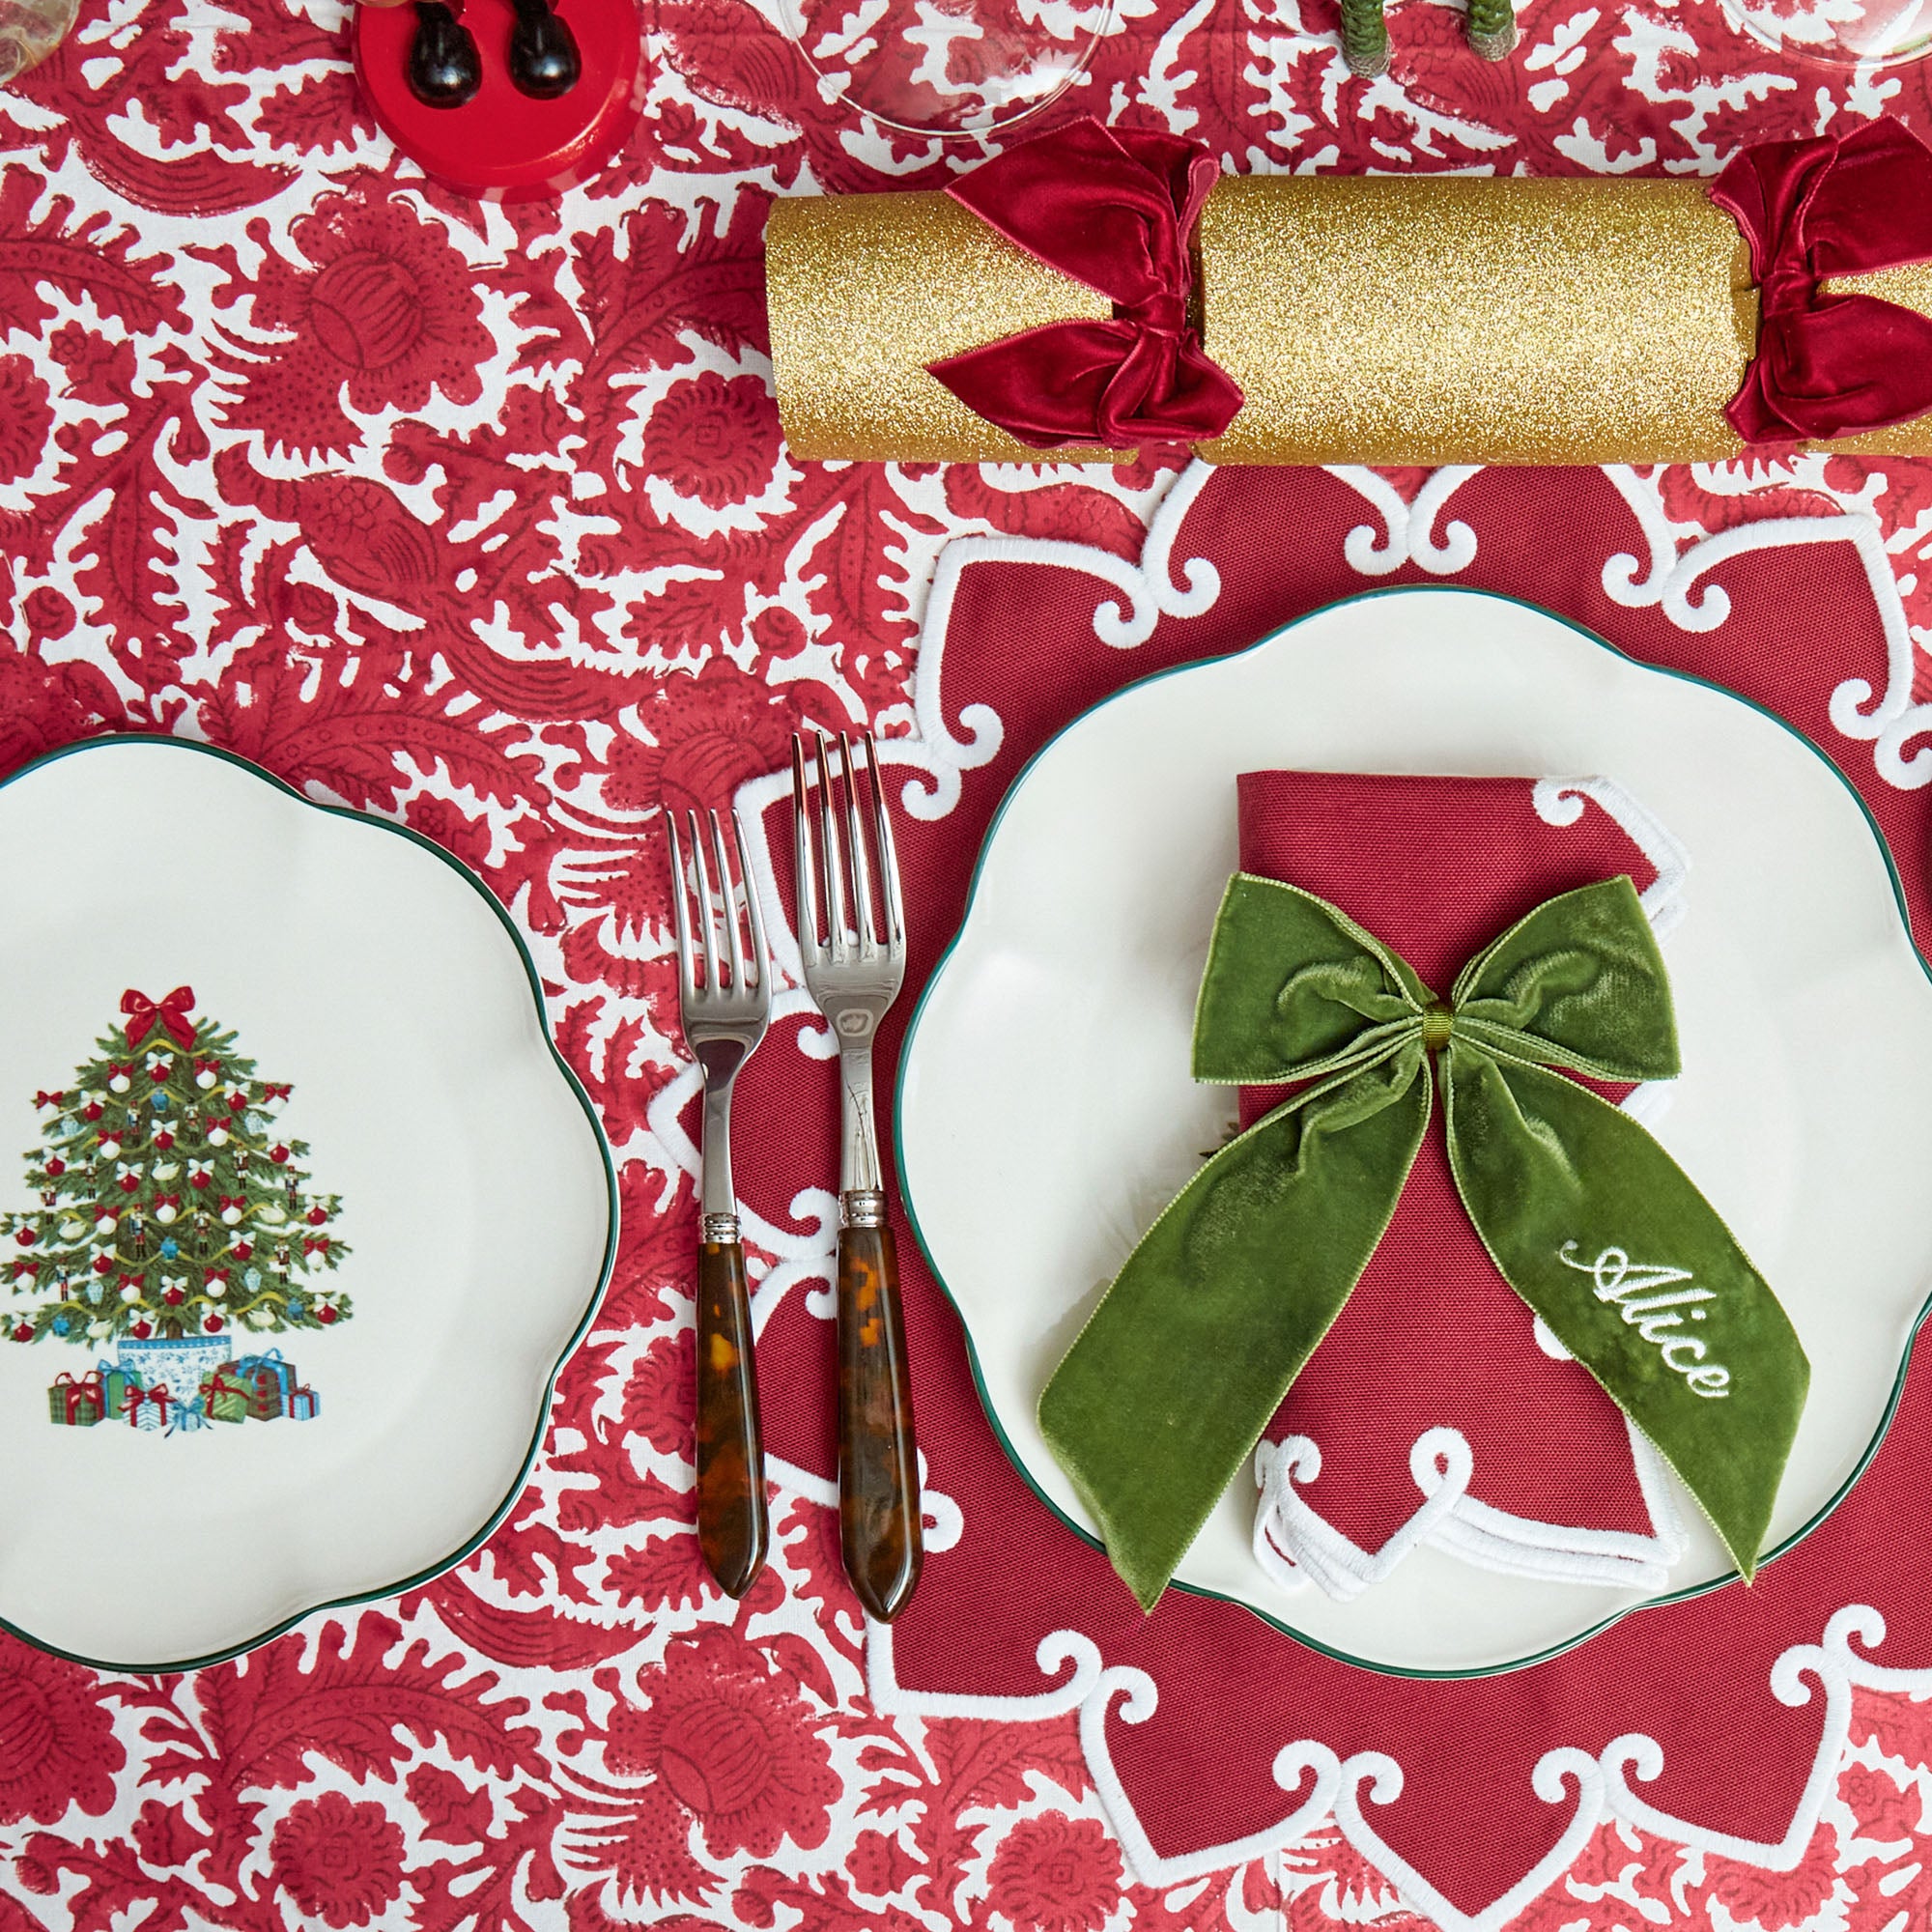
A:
853	974
725	1009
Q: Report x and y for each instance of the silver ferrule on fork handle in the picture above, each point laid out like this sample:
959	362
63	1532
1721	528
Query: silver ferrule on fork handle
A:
862	1208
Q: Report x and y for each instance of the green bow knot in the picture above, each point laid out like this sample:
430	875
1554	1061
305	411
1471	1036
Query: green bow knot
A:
1165	1393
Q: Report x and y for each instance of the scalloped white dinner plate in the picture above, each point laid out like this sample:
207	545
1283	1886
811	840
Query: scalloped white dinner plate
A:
1045	1111
374	975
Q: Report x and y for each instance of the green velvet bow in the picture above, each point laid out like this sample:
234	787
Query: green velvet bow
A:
1168	1388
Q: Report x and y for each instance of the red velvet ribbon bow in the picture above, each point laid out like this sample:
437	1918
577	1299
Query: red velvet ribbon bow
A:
1831	365
45	1099
172	1012
1114	210
276	1089
229	1201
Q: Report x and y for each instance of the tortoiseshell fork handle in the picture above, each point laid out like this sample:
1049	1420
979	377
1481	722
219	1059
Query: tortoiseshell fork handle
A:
732	1530
878	1463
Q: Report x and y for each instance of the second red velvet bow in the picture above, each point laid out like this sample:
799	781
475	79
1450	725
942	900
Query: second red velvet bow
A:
1113	208
1831	365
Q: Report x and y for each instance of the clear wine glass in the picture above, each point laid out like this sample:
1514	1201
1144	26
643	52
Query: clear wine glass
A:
946	66
1839	33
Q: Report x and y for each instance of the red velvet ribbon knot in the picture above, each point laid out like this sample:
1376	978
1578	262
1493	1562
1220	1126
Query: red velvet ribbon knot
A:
172	1012
1830	366
1114	210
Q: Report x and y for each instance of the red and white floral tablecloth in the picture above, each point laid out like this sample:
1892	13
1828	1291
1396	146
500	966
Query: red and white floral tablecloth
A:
481	518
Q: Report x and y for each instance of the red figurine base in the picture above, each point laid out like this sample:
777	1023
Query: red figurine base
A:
503	146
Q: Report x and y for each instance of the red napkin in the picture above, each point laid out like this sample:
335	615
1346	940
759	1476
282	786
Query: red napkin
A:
1434	1373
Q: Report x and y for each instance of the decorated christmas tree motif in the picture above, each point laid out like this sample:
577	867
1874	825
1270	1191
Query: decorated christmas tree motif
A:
170	1205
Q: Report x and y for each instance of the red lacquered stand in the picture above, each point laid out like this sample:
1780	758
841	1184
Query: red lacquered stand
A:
503	146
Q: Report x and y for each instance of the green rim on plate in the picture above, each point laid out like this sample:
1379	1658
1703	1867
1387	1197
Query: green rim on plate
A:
1688	1591
431	1571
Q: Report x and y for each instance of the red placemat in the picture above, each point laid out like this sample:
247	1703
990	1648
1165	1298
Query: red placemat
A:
1208	1736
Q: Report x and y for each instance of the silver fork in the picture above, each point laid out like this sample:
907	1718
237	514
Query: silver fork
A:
854	975
724	1013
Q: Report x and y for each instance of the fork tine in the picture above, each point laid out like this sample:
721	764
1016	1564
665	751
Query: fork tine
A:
804	874
861	867
687	967
889	856
835	866
705	925
733	950
758	953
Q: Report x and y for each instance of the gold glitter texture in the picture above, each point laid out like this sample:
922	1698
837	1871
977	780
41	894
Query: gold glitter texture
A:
864	290
1422	319
1466	319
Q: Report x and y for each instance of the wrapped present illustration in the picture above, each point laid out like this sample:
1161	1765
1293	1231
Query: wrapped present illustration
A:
116	1383
148	1408
266	1400
304	1405
188	1415
225	1398
270	1376
174	1216
75	1404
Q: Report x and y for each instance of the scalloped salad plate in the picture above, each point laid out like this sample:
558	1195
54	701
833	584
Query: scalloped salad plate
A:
299	1209
1804	1109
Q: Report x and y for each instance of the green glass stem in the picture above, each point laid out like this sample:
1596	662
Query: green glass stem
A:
1491	28
1365	40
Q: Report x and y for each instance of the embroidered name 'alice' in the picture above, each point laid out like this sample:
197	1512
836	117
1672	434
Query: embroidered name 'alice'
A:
1616	1278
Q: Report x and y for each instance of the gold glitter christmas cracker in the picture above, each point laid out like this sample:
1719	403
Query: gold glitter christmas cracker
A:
1419	318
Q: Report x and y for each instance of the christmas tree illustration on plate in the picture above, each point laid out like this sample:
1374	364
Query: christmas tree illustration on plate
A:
174	1229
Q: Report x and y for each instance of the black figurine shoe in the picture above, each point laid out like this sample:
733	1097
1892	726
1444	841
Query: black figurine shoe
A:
542	52
445	69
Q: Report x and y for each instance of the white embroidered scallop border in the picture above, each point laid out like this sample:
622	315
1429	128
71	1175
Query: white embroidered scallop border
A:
1672	584
1295	1545
1601	1783
1409	528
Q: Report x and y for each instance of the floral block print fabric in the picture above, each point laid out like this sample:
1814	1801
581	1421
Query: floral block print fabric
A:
479	518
